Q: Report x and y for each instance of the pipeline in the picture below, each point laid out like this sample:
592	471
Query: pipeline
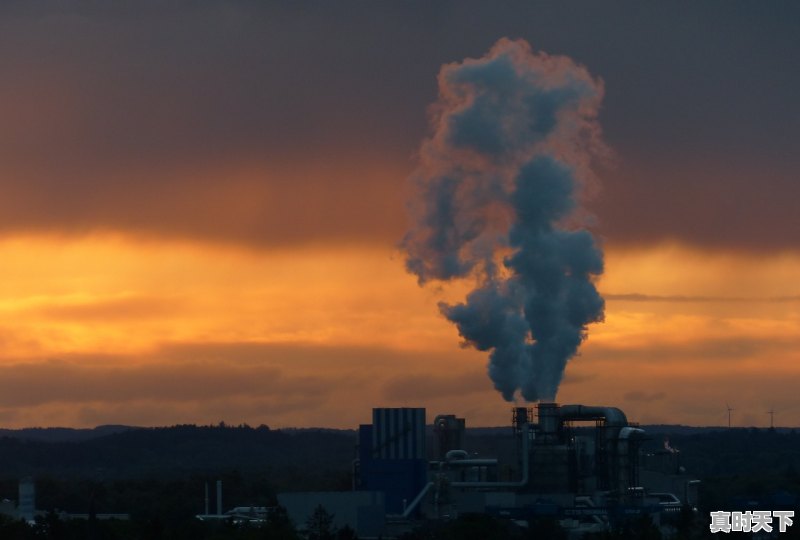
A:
410	508
612	416
525	469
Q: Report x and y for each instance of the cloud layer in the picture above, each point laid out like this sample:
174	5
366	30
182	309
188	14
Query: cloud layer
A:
196	192
258	124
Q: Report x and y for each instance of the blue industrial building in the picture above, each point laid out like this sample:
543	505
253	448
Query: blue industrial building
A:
392	456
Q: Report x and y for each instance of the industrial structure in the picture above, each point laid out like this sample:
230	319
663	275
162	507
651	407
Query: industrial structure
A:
580	465
25	507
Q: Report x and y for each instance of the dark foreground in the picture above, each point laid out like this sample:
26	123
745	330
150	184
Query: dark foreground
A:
158	477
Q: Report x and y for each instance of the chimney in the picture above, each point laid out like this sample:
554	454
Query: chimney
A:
206	498
219	497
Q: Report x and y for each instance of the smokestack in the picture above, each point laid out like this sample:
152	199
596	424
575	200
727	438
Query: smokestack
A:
514	135
548	418
521	416
219	497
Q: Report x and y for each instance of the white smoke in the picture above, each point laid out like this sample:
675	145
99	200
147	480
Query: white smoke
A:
513	136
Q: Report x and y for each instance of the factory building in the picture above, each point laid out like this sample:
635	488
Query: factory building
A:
25	508
392	456
581	465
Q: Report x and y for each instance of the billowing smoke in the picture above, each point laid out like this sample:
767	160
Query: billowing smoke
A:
513	136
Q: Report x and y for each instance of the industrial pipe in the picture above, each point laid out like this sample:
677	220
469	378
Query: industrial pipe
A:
525	469
416	501
476	462
613	416
451	455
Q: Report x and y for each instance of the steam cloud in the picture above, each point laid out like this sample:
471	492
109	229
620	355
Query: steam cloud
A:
513	136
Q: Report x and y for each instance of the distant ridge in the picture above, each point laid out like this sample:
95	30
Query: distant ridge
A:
61	434
649	428
298	458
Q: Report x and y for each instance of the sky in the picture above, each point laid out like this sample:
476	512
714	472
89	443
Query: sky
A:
202	206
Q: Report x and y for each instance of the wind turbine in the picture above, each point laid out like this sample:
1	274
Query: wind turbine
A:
771	413
729	414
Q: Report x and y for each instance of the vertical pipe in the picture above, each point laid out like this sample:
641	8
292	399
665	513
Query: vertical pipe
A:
219	497
206	498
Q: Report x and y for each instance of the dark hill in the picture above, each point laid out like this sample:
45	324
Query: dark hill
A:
177	451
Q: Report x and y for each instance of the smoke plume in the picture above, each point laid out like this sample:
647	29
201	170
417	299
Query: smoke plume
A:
513	136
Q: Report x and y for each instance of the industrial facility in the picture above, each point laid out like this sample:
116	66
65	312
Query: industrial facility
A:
580	465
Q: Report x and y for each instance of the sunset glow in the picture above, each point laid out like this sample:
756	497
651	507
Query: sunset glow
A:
162	326
202	215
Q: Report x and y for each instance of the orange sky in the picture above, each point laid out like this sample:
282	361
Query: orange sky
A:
201	203
108	329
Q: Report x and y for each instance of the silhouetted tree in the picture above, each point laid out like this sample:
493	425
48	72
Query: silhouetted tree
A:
15	529
279	526
320	525
545	529
346	533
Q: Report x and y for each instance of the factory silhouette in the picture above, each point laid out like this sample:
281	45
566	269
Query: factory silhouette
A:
580	465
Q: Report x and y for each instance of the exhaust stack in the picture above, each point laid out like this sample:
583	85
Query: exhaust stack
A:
219	497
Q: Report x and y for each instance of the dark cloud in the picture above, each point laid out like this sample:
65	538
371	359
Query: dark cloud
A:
320	358
209	372
35	384
111	112
731	202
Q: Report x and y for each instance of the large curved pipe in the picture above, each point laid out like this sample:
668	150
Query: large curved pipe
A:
456	454
613	417
615	421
